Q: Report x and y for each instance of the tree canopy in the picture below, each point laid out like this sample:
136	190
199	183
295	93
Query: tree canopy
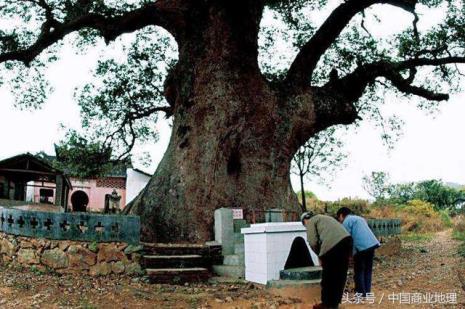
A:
340	52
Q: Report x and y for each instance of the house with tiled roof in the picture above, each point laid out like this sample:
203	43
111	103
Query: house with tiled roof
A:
119	185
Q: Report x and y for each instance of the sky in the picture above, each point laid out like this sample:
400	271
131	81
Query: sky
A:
432	146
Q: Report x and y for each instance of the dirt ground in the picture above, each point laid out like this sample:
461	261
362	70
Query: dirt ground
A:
422	268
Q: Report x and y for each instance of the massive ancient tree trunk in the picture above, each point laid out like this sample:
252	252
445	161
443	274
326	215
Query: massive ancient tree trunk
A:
233	136
234	132
226	147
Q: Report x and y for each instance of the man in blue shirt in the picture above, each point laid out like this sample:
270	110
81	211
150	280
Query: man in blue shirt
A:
365	243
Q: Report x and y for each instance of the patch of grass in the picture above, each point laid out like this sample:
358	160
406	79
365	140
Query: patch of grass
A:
93	246
194	301
416	237
445	218
461	249
36	271
22	286
457	235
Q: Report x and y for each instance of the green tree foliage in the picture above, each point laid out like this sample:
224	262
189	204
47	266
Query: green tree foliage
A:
431	191
122	108
402	193
122	102
420	207
80	157
434	192
377	185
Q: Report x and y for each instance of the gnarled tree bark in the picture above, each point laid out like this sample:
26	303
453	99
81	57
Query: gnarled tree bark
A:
231	143
234	133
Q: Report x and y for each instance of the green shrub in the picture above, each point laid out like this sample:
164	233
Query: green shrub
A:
358	206
458	235
421	208
417	216
446	219
416	237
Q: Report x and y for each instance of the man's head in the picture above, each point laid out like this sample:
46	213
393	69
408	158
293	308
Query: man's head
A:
342	213
305	217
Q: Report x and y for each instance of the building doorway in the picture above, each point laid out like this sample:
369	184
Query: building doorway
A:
79	200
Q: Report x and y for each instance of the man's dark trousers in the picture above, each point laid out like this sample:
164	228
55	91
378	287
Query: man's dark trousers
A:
363	268
335	264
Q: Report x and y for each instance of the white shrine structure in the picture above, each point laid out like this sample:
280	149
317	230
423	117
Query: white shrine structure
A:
267	248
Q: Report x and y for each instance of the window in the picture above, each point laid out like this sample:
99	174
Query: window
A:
46	196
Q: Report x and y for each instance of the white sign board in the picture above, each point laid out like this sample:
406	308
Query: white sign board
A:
238	213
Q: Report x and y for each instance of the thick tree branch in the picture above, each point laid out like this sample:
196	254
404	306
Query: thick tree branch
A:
168	110
317	108
300	72
405	86
352	86
159	13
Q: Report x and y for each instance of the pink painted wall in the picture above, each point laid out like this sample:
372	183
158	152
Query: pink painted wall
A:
95	193
95	190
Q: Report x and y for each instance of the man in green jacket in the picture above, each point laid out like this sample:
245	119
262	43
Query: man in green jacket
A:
333	244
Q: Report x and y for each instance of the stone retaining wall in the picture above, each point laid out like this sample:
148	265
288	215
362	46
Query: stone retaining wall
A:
65	256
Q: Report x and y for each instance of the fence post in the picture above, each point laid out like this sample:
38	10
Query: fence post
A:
274	215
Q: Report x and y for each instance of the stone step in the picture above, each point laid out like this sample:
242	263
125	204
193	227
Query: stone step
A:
177	275
278	284
174	249
173	261
301	273
233	260
230	271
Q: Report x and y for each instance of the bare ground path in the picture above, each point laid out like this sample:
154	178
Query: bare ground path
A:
421	267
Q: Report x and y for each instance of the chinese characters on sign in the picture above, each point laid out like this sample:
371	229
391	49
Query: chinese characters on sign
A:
402	298
238	213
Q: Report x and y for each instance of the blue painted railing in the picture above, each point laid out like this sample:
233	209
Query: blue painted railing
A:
385	227
70	226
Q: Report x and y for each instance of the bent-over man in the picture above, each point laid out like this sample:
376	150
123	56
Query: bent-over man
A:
333	244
